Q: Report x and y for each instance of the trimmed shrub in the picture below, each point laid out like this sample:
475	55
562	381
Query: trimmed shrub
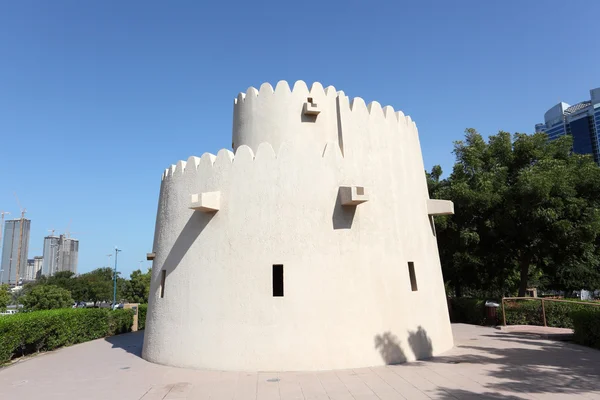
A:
120	321
529	312
518	312
560	315
142	311
31	332
587	326
524	312
467	311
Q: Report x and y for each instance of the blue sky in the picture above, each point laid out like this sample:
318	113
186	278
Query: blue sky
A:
97	98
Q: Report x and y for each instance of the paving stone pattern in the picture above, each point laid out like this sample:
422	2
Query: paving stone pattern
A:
485	364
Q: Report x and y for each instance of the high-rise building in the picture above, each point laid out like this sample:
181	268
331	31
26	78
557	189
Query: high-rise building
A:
14	251
581	120
60	254
68	254
37	266
50	257
29	272
34	268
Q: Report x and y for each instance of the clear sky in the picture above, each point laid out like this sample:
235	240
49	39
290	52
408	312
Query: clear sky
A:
97	98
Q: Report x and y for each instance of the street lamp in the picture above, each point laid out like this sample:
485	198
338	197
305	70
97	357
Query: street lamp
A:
115	279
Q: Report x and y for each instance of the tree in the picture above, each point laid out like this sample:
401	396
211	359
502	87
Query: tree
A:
16	295
138	287
47	297
99	284
526	210
4	297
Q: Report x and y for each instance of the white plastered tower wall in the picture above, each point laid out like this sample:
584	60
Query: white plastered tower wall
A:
348	300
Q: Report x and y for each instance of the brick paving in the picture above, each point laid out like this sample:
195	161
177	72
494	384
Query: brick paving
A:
485	363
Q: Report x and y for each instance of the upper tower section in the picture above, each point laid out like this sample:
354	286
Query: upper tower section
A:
298	115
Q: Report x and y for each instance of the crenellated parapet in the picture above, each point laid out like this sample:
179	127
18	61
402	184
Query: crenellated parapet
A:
301	116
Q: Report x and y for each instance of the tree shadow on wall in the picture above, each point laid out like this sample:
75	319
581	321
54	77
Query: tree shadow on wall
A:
192	229
391	352
343	216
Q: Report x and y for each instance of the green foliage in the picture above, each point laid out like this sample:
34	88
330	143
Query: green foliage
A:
526	312
4	297
560	314
138	287
521	312
120	321
16	296
26	333
527	210
47	297
586	324
142	311
467	310
97	285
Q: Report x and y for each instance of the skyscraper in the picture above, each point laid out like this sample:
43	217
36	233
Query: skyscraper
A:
34	267
50	257
68	254
581	120
29	273
14	251
37	266
60	254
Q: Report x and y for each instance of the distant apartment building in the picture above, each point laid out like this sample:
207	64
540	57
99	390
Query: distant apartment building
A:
582	121
50	257
68	254
15	246
61	253
34	268
29	272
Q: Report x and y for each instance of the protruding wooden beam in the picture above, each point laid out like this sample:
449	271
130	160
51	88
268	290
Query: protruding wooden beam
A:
150	256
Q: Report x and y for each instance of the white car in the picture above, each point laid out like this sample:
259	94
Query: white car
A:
8	312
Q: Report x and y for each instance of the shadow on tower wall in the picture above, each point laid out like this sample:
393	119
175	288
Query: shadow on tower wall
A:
192	229
391	352
343	216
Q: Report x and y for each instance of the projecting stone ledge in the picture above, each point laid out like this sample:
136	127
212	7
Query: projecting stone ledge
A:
440	207
353	195
208	202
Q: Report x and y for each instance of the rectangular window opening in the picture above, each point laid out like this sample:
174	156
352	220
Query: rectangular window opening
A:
163	277
278	280
413	278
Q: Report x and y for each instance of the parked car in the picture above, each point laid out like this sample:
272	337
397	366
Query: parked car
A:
8	312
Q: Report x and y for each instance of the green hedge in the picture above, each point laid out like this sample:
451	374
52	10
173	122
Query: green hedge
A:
518	312
142	311
587	326
529	312
26	333
466	310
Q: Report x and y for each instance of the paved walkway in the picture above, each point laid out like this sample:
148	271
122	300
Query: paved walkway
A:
543	332
485	364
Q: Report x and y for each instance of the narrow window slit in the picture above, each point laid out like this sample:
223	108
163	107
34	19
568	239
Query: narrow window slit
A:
413	278
278	280
163	277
